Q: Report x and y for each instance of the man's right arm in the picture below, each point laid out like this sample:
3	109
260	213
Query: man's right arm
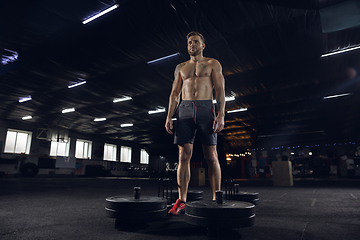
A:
174	98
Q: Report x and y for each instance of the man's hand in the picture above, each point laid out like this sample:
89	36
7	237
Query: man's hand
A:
169	125
218	124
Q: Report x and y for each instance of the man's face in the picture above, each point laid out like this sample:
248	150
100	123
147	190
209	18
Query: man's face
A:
195	45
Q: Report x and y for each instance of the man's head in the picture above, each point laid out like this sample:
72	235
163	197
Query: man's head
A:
196	43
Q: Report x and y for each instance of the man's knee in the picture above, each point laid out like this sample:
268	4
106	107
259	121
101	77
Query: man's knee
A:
210	154
184	158
185	153
212	159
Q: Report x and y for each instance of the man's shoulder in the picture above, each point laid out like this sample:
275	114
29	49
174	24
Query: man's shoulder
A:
211	60
183	63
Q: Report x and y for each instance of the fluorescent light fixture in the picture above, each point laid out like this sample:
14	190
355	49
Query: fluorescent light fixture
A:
174	119
339	95
126	125
76	84
341	51
172	55
237	110
121	99
24	99
27	118
227	99
99	119
157	111
68	110
231	98
7	59
100	14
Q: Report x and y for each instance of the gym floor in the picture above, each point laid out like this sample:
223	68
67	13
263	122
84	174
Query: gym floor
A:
73	208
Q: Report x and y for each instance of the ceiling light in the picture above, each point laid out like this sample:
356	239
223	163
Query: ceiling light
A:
68	110
24	99
237	110
159	59
99	119
76	84
340	51
7	59
27	118
157	111
121	99
174	119
231	98
126	125
339	95
100	14
227	99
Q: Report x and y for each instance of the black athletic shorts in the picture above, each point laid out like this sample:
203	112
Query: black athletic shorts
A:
195	117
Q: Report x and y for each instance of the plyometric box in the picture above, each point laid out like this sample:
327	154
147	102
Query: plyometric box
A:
282	174
197	177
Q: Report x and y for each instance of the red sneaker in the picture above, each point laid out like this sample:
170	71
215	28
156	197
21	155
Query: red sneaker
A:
177	208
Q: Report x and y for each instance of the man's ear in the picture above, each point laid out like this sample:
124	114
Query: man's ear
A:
203	46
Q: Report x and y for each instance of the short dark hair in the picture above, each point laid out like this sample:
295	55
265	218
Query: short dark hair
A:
194	33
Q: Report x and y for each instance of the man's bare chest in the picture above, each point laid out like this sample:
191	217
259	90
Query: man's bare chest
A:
195	70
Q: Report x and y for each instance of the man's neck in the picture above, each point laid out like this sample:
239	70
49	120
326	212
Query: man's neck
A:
197	58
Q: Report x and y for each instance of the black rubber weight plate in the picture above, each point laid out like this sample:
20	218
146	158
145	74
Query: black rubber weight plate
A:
130	204
247	194
227	210
29	169
244	196
136	215
192	195
220	223
255	201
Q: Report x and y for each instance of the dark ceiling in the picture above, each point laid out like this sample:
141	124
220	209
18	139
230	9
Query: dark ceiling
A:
270	51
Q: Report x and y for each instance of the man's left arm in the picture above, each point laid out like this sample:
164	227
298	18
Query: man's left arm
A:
219	86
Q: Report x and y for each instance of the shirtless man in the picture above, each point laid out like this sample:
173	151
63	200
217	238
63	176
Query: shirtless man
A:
195	81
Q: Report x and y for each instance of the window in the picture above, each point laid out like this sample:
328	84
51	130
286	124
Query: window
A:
109	152
17	141
144	157
125	154
59	148
83	149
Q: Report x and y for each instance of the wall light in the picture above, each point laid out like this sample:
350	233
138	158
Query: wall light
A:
27	118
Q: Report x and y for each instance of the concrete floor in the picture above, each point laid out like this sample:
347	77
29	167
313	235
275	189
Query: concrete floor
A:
73	208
